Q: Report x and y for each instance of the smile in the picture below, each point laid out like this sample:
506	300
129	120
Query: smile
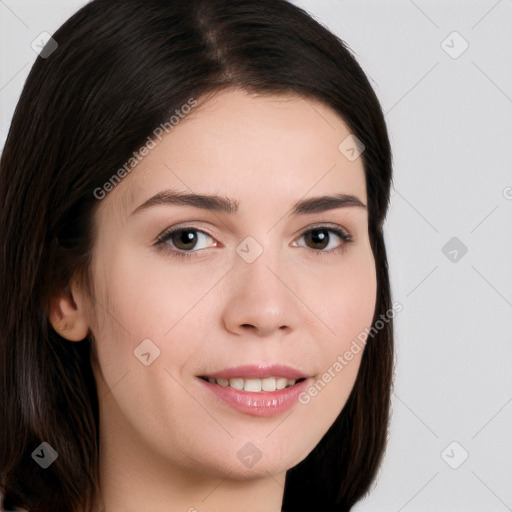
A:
254	385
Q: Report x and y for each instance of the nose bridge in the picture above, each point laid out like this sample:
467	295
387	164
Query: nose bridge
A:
258	296
258	264
263	250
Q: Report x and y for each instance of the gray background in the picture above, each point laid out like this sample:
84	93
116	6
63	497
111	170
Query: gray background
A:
449	113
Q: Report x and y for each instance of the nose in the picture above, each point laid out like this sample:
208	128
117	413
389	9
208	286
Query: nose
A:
261	298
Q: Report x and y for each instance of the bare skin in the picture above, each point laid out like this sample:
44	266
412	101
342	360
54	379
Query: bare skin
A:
166	443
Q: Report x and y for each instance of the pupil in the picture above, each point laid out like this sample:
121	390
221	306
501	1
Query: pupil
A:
321	237
186	237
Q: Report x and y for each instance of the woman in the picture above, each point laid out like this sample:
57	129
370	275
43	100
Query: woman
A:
196	310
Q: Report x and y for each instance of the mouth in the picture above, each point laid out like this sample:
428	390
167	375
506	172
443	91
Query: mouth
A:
268	395
255	385
260	389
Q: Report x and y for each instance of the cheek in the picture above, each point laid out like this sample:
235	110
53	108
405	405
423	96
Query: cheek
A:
141	295
141	298
356	300
349	299
126	313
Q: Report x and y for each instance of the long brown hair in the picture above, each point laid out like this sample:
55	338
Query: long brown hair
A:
121	68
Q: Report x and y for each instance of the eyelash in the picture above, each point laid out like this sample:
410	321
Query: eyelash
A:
164	237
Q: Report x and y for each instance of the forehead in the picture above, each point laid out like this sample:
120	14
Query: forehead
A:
249	147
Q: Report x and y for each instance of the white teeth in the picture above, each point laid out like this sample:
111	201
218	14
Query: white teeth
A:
254	385
236	383
281	383
268	384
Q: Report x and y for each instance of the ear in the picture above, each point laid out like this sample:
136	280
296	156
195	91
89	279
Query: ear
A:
68	316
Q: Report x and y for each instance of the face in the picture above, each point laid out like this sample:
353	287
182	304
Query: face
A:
186	289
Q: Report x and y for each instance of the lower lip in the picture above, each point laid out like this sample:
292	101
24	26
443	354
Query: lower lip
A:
269	403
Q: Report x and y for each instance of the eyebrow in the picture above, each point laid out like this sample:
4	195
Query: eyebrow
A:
230	206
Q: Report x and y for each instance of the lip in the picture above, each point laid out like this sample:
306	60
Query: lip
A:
264	404
258	371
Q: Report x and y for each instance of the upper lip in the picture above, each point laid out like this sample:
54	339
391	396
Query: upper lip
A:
258	371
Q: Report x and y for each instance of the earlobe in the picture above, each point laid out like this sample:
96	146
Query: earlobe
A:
67	316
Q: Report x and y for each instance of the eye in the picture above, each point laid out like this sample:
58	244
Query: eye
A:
183	241
322	242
